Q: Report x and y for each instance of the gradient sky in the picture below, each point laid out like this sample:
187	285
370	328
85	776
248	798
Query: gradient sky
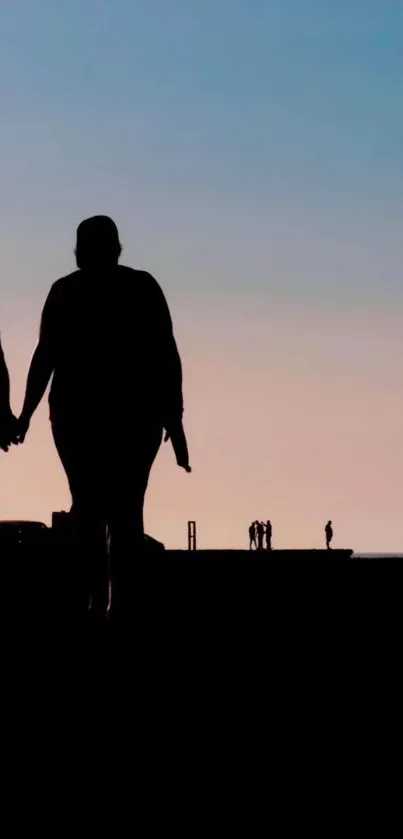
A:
251	153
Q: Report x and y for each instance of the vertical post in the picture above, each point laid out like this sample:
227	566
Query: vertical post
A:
191	535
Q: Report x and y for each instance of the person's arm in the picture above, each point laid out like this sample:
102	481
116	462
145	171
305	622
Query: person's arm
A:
169	359
170	375
5	409
172	367
8	422
42	365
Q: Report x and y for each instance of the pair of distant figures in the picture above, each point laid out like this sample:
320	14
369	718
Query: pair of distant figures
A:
258	530
257	533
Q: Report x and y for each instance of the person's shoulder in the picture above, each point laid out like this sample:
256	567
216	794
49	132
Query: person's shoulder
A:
58	296
143	282
136	274
64	285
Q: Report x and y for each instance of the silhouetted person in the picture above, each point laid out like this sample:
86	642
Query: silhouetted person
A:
106	336
252	535
260	535
8	422
328	534
268	534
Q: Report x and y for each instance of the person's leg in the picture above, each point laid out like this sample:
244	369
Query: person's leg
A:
80	457
128	484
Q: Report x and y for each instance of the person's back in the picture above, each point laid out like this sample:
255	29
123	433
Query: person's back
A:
113	344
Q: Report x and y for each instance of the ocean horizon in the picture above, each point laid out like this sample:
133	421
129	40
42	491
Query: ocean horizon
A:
386	555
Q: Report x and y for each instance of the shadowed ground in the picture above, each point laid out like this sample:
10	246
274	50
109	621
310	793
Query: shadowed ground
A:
227	585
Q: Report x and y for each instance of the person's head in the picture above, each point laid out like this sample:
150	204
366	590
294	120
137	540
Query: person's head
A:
97	243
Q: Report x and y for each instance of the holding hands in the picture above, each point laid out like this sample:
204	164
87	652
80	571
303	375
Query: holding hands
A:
8	430
22	427
12	430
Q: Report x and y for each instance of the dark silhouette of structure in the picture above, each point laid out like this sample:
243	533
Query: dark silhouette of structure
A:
62	524
252	535
22	534
192	541
8	422
328	534
106	340
268	533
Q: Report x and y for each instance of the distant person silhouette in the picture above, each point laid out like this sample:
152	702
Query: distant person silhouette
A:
106	336
8	422
268	533
252	535
260	535
328	534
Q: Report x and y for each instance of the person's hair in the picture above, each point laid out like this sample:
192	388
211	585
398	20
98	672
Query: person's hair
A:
97	241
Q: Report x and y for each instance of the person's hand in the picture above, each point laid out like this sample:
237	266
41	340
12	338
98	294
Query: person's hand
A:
174	432
8	431
22	428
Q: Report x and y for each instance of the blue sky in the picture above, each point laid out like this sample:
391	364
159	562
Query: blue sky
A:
264	113
252	156
258	94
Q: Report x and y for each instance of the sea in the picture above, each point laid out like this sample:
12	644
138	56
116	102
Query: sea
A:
358	555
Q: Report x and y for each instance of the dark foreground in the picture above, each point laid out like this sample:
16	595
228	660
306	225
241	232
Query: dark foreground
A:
203	589
279	668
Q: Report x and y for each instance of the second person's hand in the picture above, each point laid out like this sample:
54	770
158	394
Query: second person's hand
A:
22	428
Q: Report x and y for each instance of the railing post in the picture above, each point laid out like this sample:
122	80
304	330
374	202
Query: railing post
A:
191	535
